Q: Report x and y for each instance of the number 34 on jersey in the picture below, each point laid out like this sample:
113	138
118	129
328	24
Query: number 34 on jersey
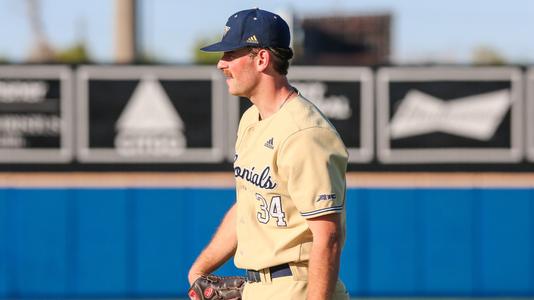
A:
271	209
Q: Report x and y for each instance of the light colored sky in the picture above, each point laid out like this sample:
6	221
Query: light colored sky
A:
443	31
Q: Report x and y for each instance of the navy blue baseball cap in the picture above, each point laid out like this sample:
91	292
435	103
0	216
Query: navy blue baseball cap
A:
252	28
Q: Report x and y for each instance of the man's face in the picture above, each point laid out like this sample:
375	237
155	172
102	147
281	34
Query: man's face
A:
238	68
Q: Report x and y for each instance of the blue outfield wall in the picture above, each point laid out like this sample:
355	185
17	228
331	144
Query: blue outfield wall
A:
139	242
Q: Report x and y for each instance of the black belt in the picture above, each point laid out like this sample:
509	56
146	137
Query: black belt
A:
276	271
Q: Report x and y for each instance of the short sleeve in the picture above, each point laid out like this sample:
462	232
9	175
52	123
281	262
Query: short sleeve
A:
314	162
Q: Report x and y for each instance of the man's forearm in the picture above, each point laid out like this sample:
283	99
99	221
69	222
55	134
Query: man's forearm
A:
221	248
323	268
324	256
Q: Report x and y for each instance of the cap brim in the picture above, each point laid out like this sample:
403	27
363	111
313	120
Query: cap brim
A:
221	47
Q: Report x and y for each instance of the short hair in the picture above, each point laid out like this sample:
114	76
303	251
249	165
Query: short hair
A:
281	57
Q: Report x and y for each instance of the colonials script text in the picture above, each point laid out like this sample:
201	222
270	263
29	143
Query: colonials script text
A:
262	179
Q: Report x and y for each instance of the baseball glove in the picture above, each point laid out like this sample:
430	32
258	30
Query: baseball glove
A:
214	287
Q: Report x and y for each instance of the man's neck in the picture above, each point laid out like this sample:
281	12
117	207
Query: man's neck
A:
270	97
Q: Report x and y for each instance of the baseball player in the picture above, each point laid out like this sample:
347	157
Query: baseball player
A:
287	227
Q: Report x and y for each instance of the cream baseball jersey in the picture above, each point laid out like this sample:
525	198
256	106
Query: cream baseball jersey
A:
288	167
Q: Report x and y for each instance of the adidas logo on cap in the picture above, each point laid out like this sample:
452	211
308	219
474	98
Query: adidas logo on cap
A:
253	40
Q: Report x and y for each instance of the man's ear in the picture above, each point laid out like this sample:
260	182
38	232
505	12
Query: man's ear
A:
263	58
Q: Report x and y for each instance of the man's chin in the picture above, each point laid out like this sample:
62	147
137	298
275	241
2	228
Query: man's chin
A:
234	93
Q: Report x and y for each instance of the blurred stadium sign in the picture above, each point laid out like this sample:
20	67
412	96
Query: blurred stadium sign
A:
530	114
448	115
344	95
137	114
36	114
348	40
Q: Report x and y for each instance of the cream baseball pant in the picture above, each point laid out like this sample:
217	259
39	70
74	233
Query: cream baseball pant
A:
293	287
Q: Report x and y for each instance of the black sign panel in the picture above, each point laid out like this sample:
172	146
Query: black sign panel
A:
35	114
436	115
344	95
151	114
